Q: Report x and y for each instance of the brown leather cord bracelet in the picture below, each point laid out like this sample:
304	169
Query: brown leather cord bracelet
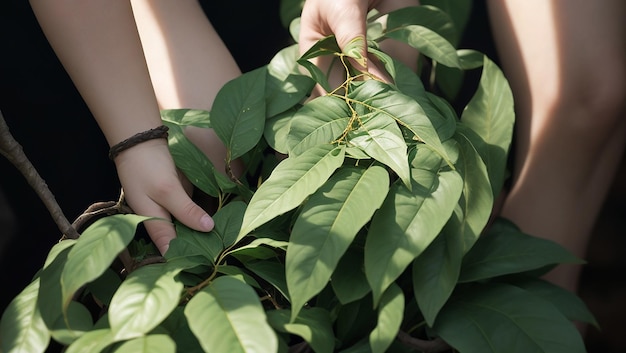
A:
152	134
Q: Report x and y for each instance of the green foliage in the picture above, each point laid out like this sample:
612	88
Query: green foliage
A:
367	229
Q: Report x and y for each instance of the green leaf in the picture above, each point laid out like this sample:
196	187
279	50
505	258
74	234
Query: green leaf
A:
427	16
320	121
285	85
407	223
436	271
57	249
50	298
76	322
380	99
388	148
92	341
313	325
506	250
390	315
192	162
105	286
476	203
95	250
325	46
228	221
489	117
238	113
568	303
186	117
272	272
259	248
147	296
277	129
501	318
428	43
189	242
148	344
290	183
227	316
238	272
459	11
348	280
290	10
326	226
22	329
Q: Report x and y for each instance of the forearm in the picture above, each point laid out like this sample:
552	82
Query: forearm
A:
97	43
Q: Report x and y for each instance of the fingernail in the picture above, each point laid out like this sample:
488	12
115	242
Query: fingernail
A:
207	222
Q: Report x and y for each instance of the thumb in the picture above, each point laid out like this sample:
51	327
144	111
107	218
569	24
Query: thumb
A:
350	33
190	214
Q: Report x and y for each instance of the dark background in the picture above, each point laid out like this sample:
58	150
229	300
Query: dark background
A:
47	116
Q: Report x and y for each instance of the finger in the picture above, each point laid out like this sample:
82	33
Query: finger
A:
182	207
161	231
351	36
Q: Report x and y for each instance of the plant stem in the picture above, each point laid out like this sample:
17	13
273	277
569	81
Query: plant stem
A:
13	151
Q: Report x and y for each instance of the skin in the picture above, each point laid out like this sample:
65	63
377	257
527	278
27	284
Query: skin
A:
99	45
565	61
346	20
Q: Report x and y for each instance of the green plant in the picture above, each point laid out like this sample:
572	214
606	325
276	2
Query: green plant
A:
361	234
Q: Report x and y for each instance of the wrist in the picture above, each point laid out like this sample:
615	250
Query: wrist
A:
158	133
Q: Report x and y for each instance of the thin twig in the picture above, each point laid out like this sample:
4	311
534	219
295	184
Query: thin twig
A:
13	151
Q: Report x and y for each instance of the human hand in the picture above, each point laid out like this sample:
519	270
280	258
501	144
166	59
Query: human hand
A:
153	187
346	19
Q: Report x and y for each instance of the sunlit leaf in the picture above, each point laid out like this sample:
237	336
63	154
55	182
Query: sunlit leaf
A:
22	329
50	301
72	325
407	223
380	98
148	344
505	319
390	315
388	148
285	85
488	122
189	242
325	46
92	341
326	226
227	316
238	113
313	325
428	43
95	250
290	183
186	117
320	121
477	200
192	161
147	296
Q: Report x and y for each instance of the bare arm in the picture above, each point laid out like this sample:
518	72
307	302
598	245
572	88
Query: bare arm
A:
98	44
